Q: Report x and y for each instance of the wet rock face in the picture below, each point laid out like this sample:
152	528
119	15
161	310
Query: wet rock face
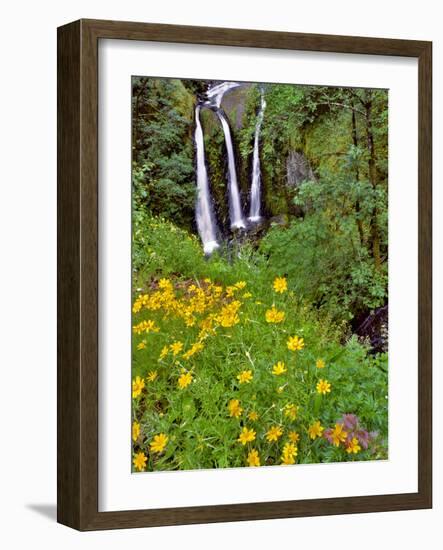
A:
298	169
234	103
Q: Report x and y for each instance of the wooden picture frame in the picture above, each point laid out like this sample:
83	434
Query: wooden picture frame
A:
77	479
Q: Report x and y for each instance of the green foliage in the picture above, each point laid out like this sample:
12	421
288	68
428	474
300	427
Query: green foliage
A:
160	248
201	433
163	170
322	252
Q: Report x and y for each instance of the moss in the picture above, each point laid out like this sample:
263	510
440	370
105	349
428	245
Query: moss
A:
183	100
326	141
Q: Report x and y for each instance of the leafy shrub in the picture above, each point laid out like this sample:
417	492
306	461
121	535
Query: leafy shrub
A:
323	255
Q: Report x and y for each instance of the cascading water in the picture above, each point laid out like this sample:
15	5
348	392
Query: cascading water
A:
235	209
254	209
206	225
215	93
215	96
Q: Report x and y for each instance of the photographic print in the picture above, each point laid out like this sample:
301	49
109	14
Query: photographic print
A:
259	274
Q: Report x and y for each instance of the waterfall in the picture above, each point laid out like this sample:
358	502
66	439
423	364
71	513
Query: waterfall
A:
235	210
214	96
204	213
254	210
215	93
206	224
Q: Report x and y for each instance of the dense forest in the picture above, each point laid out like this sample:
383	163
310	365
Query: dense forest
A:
318	258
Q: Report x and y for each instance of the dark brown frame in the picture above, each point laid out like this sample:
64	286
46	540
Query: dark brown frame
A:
77	461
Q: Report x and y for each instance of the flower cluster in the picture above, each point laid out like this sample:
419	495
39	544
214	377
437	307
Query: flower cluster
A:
205	304
348	432
289	453
273	315
271	407
145	326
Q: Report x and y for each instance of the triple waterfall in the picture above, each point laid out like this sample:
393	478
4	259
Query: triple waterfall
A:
206	222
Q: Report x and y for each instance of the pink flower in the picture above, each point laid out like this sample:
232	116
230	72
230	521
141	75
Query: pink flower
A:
349	421
363	438
327	434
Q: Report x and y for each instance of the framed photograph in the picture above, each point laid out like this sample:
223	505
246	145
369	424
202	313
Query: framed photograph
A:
244	275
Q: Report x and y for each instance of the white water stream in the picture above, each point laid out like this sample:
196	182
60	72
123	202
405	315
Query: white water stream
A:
254	209
235	209
206	222
206	225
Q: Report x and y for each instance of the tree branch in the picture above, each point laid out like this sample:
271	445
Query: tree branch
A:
344	106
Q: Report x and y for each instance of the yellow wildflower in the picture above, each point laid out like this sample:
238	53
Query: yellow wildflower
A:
165	284
137	386
294	437
338	435
195	348
247	295
281	388
289	453
246	435
279	368
253	416
176	348
353	446
151	327
139	461
323	387
190	320
145	326
230	291
291	410
280	284
164	352
152	375
142	345
234	408
245	376
159	442
207	325
253	458
274	316
320	364
153	302
135	430
138	329
184	380
290	449
295	343
240	285
228	315
287	459
274	433
315	430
